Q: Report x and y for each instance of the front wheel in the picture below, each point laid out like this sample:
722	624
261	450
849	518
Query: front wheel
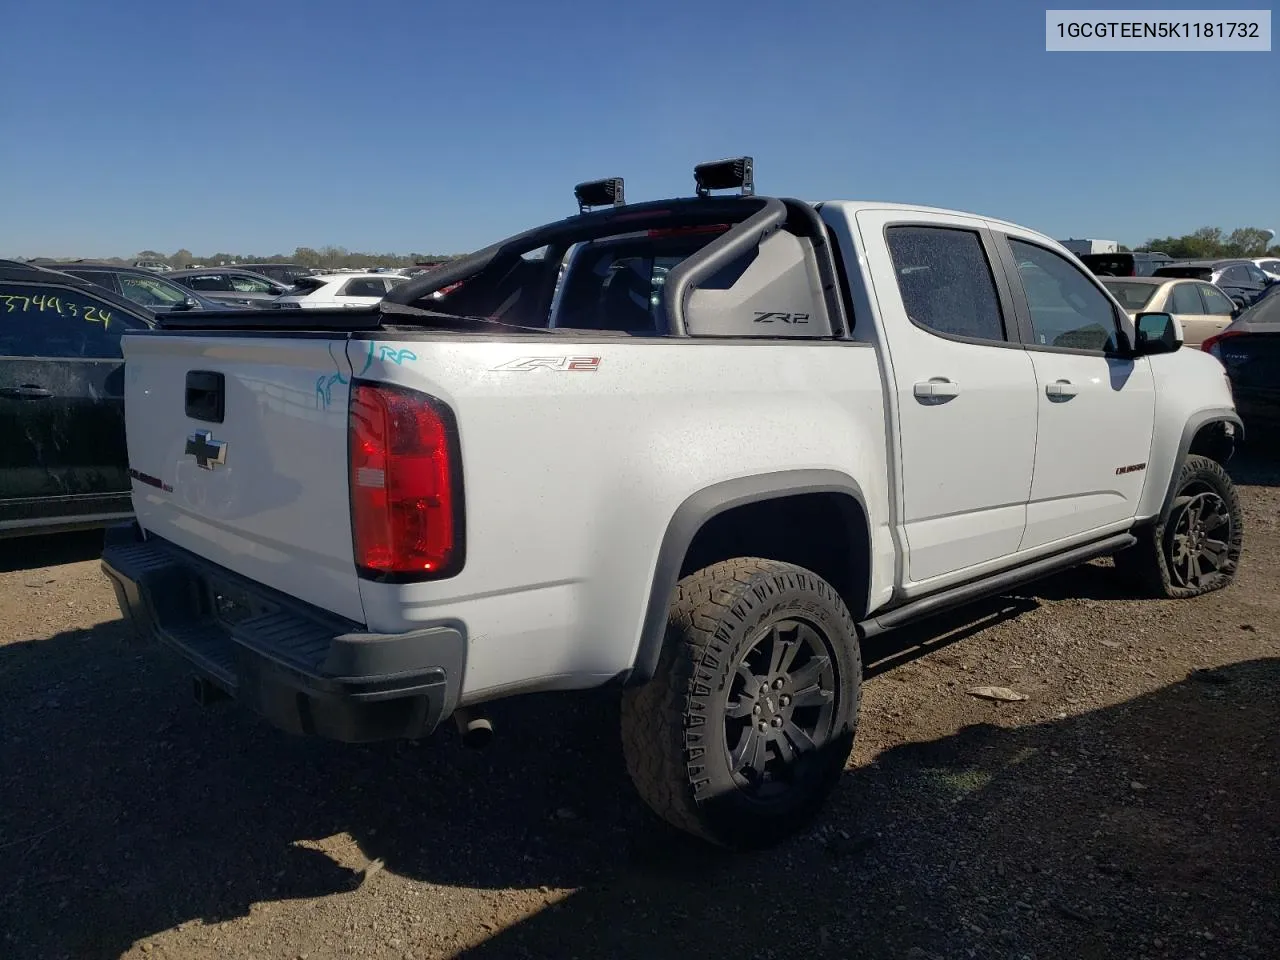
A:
1197	548
748	722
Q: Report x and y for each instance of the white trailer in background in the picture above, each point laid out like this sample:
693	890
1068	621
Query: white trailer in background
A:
1081	247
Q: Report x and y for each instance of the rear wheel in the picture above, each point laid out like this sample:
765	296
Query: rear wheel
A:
1197	548
748	722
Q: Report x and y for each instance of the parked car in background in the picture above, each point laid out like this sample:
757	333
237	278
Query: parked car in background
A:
1249	349
283	273
155	266
1241	280
231	284
1268	265
1141	264
1201	308
339	290
63	460
158	294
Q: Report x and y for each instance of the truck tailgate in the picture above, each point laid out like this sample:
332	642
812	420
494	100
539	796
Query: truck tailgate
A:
238	453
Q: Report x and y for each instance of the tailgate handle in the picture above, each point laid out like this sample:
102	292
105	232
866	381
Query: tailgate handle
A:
206	395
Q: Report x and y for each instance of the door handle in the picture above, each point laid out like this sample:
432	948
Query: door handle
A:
1062	389
939	389
28	391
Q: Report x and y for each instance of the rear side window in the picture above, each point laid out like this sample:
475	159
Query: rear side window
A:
946	282
39	321
1186	300
1067	310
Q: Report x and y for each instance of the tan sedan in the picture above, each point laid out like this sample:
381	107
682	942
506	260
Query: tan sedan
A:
1200	308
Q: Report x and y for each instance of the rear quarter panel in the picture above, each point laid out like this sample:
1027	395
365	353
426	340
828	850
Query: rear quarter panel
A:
571	478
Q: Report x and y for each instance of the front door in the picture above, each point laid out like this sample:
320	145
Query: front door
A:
1096	408
965	390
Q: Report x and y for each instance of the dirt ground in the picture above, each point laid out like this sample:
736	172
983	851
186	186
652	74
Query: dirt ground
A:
1129	808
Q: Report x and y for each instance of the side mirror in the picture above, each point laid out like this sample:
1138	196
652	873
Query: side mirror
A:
1157	333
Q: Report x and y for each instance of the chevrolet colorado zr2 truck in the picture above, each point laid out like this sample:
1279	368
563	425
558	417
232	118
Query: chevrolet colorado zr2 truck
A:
697	449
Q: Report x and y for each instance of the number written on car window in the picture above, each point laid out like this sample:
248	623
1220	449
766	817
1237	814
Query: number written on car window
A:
91	313
60	322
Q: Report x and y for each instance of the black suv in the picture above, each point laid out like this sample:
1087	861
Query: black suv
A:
1124	264
63	461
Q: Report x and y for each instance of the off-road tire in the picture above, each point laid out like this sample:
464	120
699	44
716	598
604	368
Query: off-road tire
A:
676	728
1157	563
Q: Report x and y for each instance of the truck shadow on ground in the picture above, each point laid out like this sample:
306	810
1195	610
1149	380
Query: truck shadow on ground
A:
129	811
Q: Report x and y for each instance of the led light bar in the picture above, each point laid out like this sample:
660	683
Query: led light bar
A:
599	193
732	174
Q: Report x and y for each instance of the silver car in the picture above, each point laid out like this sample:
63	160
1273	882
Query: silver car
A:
230	285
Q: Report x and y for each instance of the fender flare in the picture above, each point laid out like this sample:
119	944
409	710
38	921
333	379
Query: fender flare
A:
691	516
1195	423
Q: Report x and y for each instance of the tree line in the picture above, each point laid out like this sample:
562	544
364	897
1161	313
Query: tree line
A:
328	257
1213	242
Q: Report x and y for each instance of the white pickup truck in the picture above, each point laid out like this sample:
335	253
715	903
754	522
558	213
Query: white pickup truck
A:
697	449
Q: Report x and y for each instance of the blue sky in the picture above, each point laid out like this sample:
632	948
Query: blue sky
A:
418	125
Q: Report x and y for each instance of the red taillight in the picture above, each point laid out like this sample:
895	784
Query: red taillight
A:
405	488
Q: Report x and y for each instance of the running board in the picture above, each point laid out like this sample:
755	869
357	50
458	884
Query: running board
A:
977	589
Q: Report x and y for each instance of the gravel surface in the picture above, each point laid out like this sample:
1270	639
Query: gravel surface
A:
1128	807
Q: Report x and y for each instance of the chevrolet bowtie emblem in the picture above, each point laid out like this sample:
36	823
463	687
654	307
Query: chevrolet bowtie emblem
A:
208	452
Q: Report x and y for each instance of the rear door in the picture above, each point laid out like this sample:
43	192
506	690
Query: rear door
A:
62	433
965	389
1188	307
1096	408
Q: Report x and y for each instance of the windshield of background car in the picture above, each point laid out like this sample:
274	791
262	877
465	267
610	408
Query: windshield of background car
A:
305	285
1132	296
150	291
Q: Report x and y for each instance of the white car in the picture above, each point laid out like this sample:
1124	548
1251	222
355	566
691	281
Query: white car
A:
1269	265
339	290
837	419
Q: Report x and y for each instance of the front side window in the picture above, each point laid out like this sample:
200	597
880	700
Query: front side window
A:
151	291
49	321
245	284
1067	310
946	282
1186	300
1216	302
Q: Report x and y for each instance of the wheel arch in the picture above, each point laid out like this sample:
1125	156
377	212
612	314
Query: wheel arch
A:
1212	433
705	512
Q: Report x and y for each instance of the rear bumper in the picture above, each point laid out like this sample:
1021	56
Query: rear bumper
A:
304	669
